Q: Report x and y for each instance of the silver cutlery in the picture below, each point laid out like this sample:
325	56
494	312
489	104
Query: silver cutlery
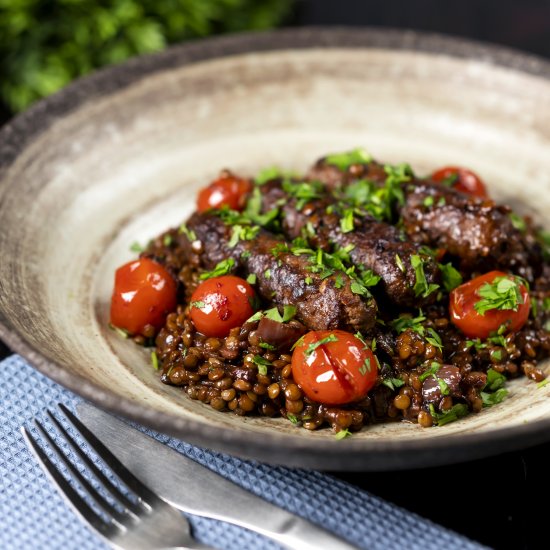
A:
195	489
143	522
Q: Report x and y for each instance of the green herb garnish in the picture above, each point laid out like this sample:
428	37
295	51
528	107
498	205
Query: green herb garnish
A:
347	221
189	233
421	287
313	346
251	279
261	363
154	360
393	383
495	380
434	367
342	434
222	268
490	399
451	276
457	411
400	263
503	293
198	304
136	247
344	160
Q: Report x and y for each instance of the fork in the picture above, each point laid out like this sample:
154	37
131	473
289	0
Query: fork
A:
145	522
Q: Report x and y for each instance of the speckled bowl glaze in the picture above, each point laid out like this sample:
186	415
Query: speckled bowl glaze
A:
119	156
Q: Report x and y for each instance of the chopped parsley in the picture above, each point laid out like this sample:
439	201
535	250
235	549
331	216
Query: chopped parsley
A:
450	180
198	304
261	363
545	382
154	360
434	339
266	345
251	279
490	399
288	313
293	418
400	263
457	411
344	160
120	331
340	281
495	380
308	280
369	278
504	293
222	268
167	240
430	371
136	247
189	233
304	191
342	434
428	201
451	276
267	174
347	221
518	222
242	233
365	367
443	386
313	346
267	273
393	383
407	321
421	287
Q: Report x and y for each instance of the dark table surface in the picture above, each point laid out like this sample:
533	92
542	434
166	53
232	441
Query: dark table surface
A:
498	501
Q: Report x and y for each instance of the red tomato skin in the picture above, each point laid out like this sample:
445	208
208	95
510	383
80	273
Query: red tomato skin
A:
335	373
144	294
467	182
228	190
226	302
473	324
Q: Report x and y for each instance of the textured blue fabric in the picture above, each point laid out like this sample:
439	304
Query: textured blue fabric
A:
33	515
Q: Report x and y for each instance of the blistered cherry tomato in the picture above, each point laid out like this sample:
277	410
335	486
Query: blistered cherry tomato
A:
466	181
227	190
144	294
333	367
220	304
477	325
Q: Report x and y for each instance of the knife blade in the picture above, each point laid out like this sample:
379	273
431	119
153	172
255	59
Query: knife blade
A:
195	489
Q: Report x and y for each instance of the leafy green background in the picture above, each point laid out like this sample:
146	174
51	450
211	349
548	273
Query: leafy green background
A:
44	44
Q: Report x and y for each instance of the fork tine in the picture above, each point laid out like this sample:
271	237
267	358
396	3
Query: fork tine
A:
105	481
110	459
79	505
87	486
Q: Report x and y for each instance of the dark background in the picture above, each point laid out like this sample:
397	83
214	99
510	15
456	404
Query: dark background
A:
502	501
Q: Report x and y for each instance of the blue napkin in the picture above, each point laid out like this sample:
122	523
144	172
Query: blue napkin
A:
33	515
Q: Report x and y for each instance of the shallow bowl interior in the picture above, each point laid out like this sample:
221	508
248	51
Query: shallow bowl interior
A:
118	158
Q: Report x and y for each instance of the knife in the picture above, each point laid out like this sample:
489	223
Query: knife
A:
195	489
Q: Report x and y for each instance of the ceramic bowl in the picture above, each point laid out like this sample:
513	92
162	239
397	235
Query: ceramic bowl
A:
119	156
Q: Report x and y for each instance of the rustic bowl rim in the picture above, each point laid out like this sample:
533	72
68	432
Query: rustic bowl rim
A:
290	450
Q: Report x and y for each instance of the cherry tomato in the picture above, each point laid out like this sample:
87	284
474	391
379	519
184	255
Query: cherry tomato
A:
144	294
227	190
476	325
466	180
333	367
220	304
